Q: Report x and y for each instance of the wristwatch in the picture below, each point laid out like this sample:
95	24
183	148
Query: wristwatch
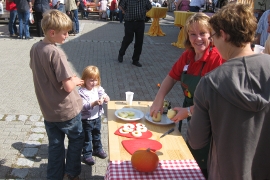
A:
189	113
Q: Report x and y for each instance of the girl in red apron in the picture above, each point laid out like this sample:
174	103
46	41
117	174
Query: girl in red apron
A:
199	58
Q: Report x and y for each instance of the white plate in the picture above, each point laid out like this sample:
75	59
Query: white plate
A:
164	119
138	114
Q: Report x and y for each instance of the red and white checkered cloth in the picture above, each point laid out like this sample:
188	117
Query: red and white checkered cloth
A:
167	170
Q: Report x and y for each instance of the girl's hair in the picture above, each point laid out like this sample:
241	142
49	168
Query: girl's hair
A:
91	72
200	18
55	20
238	21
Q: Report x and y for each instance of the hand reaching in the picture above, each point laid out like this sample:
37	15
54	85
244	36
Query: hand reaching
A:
156	107
182	114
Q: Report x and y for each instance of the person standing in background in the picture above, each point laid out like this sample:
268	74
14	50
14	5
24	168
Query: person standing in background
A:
113	10
121	14
72	7
103	9
12	28
262	26
195	5
59	5
135	13
267	43
83	9
24	8
40	6
182	5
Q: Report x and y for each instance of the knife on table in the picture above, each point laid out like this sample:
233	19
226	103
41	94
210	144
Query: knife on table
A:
168	132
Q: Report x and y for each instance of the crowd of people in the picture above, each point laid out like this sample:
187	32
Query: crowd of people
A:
23	9
225	85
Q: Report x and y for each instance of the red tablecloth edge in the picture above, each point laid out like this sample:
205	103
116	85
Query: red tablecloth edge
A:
167	169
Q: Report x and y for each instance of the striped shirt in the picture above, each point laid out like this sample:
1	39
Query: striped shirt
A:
135	9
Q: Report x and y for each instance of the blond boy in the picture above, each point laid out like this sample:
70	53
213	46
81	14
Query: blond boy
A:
57	96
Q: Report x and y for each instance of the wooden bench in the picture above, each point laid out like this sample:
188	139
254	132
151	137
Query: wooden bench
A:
92	7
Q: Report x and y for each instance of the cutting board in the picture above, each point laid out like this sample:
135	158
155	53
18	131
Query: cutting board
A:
134	144
145	135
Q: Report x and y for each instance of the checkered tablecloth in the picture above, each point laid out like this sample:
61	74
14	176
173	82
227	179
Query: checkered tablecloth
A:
167	169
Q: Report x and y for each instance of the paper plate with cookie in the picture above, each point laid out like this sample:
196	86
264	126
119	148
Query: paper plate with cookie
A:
129	114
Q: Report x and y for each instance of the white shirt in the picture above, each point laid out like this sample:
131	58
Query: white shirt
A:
54	2
198	3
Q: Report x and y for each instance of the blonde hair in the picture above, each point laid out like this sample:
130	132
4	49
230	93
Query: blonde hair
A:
238	21
200	18
55	20
91	72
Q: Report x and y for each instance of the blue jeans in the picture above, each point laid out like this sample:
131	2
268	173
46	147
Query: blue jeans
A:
24	24
92	140
12	22
76	20
56	132
61	8
108	12
112	14
121	16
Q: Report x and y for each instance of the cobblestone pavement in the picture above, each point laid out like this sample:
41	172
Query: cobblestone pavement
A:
23	149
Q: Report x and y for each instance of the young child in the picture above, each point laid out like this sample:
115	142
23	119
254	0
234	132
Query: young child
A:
58	99
93	96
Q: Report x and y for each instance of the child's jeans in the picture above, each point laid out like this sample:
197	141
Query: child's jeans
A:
56	132
92	140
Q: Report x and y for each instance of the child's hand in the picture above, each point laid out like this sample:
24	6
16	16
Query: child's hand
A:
106	98
97	103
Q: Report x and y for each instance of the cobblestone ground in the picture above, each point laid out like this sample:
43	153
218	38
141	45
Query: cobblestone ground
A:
23	140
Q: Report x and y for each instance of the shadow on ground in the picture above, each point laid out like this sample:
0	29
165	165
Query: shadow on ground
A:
40	171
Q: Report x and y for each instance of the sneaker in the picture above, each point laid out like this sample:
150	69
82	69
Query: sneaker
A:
89	161
136	63
69	177
101	154
120	58
13	35
29	38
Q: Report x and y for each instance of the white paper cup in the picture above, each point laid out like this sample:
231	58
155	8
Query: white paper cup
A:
129	97
258	49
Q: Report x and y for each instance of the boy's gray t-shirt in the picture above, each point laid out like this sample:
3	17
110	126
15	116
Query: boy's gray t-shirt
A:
50	67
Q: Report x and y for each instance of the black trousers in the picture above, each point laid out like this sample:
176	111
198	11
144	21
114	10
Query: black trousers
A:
38	19
133	28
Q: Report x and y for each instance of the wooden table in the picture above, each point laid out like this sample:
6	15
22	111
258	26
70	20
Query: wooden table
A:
173	145
180	18
156	13
175	159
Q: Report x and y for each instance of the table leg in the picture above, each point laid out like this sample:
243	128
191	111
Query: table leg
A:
180	39
155	29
